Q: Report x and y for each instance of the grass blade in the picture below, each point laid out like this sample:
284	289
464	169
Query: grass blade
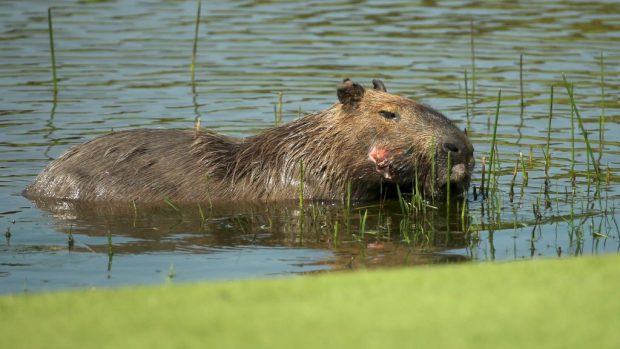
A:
195	47
52	52
581	127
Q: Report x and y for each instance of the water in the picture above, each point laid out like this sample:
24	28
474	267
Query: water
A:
125	64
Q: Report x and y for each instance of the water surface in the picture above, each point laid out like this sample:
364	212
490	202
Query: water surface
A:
125	64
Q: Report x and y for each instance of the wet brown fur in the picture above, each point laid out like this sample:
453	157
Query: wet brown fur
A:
149	165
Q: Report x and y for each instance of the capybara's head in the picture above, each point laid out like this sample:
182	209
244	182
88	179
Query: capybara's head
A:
406	140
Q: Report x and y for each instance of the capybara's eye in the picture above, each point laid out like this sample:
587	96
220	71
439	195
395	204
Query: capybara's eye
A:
389	115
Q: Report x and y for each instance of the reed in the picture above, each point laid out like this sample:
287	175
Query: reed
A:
197	124
406	210
495	204
601	120
417	200
511	193
549	124
197	120
448	190
347	209
547	153
494	139
483	174
569	90
70	239
463	215
314	215
279	108
195	47
405	232
277	111
302	213
572	137
135	212
336	233
466	99
204	218
110	253
547	181
536	210
52	51
169	202
301	186
491	241
348	196
521	80
533	241
433	172
473	66
363	223
448	175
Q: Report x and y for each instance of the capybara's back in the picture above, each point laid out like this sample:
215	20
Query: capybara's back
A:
143	165
368	141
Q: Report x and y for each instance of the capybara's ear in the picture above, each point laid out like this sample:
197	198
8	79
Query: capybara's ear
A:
378	85
350	93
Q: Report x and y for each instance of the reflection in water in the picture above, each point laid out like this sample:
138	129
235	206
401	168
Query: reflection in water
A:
367	236
49	125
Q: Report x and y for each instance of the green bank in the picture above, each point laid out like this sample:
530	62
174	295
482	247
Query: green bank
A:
547	303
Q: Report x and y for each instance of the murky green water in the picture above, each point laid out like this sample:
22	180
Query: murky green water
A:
126	64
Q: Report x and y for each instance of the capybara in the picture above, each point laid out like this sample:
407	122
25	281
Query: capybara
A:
369	142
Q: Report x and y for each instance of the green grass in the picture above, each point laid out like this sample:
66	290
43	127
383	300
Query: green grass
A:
546	304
